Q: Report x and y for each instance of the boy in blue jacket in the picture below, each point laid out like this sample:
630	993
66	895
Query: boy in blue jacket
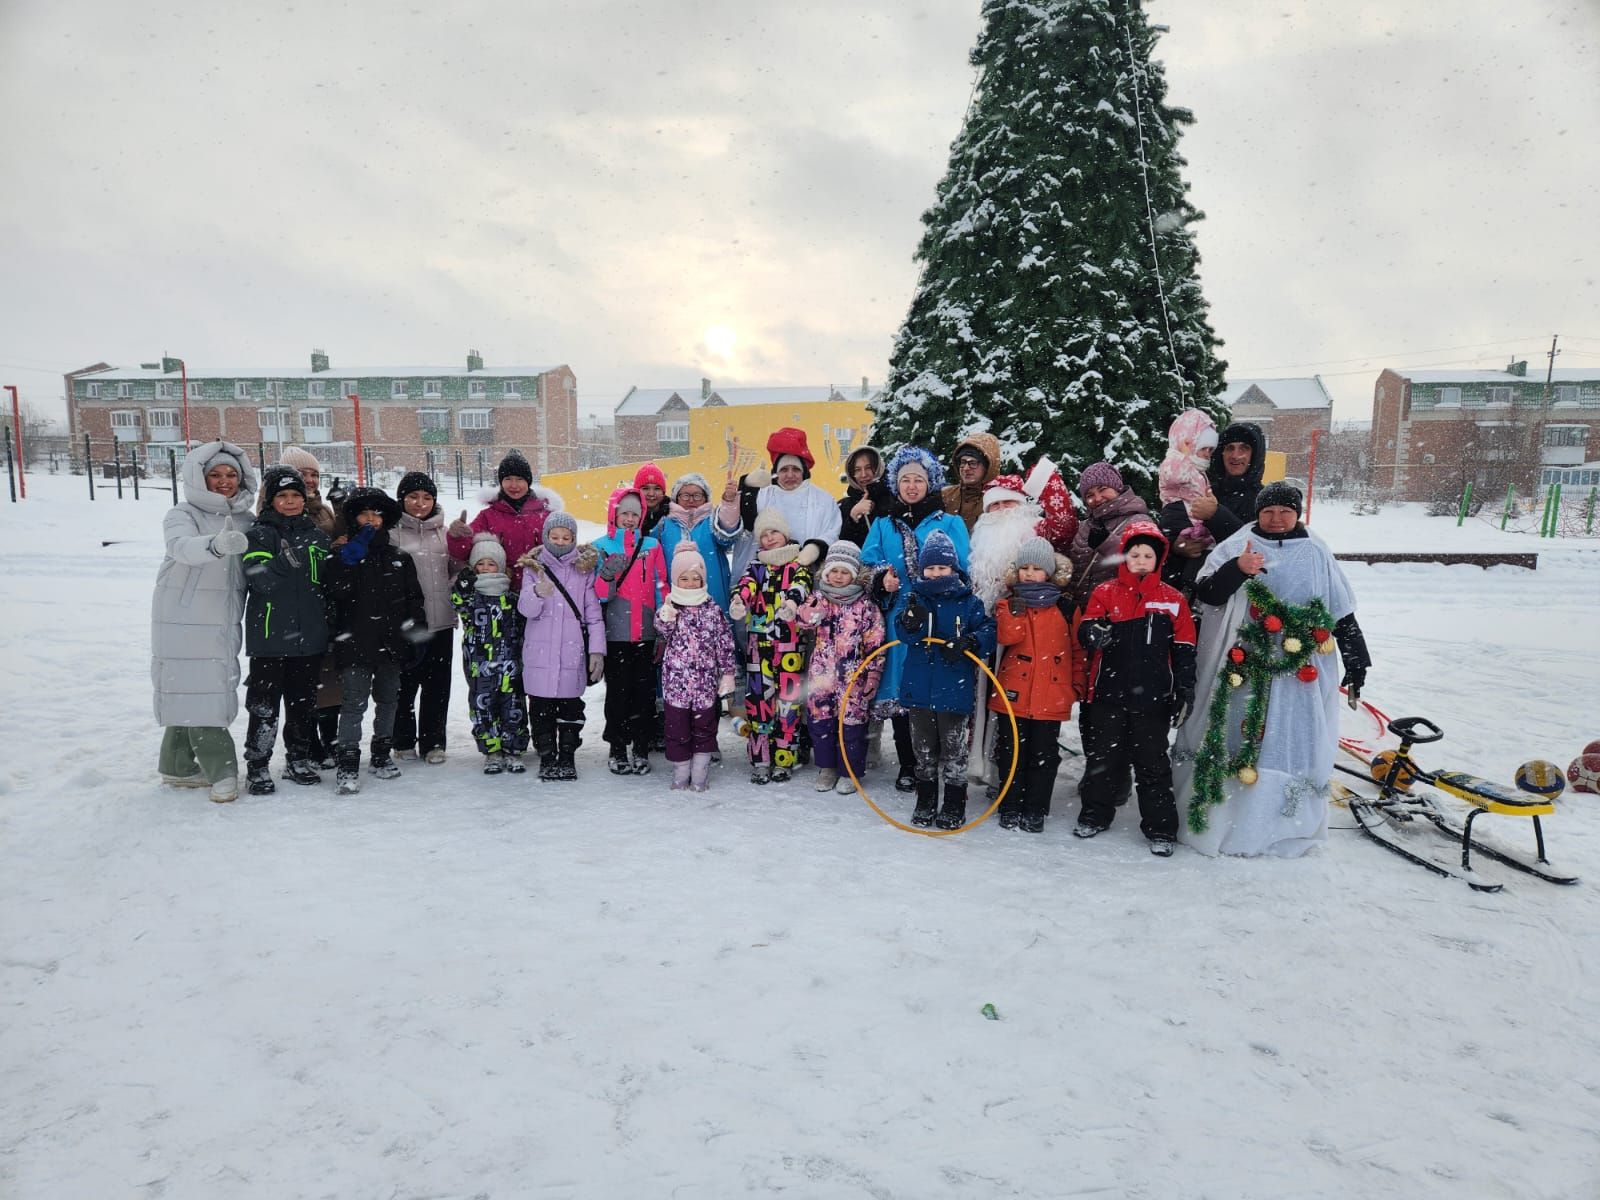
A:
937	684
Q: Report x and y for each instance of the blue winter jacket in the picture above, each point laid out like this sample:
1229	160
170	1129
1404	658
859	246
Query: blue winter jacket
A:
928	680
886	548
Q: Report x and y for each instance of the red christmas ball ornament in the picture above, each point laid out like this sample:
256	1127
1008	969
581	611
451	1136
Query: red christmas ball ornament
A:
1319	634
1255	613
1272	624
1306	674
1236	654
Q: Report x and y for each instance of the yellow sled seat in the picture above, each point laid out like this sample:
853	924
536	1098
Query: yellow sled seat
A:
1491	797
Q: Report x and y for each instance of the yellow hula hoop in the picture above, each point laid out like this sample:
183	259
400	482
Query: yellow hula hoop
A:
1011	715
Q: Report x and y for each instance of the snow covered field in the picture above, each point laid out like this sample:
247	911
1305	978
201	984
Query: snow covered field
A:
454	986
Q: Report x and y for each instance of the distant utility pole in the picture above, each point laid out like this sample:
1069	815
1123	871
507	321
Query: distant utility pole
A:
1551	369
1544	413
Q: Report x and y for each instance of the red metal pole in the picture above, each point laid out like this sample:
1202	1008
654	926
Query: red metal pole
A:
16	423
183	370
361	469
1311	471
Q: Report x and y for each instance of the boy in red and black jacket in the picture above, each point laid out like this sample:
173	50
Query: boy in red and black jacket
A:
1141	638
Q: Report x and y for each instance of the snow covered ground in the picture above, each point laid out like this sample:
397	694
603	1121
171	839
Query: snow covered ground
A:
455	986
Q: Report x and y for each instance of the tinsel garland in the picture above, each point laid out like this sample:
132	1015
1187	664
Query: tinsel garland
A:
1306	628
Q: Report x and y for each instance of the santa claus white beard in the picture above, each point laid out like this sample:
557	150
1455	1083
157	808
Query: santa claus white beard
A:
996	538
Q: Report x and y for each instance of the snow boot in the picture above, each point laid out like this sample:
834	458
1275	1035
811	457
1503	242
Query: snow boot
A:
259	779
761	773
1161	847
568	739
927	802
641	759
1085	830
954	813
681	773
906	781
514	765
846	786
1009	818
225	790
1032	823
435	756
700	772
302	771
197	780
349	772
618	760
494	764
380	761
827	780
874	745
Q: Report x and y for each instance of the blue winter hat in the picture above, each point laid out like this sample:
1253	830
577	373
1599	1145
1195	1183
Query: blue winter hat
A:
938	551
930	465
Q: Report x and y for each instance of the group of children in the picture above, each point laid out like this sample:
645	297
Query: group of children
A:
542	626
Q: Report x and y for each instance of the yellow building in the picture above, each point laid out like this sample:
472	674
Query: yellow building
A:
726	441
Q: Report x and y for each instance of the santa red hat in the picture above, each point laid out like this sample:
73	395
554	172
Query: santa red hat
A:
1004	487
789	440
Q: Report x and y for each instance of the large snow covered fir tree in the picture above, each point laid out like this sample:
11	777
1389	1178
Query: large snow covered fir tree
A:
1058	305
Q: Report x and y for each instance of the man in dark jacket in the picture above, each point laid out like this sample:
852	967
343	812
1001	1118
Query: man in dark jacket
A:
285	629
379	620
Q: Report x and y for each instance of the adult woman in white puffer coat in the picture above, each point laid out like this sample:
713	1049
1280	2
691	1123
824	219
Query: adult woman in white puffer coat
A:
195	633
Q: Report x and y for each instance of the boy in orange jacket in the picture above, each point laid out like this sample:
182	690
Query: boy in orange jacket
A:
1141	681
1042	675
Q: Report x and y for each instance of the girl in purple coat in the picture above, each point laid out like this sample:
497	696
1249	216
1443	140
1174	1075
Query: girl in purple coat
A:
563	645
849	627
697	668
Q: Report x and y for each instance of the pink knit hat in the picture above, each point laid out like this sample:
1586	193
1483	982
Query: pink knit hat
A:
686	557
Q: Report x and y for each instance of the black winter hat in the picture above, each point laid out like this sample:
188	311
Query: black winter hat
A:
1280	493
513	464
363	498
416	481
280	479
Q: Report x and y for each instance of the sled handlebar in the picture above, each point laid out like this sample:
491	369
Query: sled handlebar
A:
1408	729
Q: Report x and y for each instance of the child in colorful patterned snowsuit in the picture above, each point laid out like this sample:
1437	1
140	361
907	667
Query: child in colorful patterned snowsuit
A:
632	580
563	644
769	595
491	656
849	627
937	684
697	665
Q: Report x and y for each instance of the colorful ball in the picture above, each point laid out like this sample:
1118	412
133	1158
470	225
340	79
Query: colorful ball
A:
1541	778
1236	654
1272	624
1382	761
1583	773
1235	679
1325	646
1321	634
1247	775
1291	645
1306	674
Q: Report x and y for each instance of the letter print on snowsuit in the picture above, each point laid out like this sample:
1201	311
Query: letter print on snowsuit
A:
775	663
491	660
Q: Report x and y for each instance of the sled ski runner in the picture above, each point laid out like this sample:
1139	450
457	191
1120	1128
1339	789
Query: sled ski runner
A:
1394	773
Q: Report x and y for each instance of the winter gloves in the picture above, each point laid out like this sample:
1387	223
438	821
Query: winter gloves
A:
668	612
1182	706
612	565
913	619
353	551
597	667
1097	534
725	685
1096	634
1355	678
788	610
736	609
228	540
955	652
459	527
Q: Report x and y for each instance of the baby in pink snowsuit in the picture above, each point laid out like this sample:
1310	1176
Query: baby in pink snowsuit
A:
1182	475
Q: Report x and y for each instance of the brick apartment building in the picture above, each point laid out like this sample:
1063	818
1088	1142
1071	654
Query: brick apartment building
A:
653	422
405	410
1433	430
1288	410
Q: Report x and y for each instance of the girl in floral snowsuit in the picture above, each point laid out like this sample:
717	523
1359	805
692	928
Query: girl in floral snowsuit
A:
849	627
491	657
769	594
697	665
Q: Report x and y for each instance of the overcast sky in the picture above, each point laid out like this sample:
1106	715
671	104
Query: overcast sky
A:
658	190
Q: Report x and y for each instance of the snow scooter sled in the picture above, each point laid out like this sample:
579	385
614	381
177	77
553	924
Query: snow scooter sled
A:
1395	773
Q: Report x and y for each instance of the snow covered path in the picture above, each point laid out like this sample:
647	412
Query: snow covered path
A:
454	986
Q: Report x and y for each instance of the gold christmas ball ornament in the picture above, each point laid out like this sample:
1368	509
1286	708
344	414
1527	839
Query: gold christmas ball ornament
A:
1235	679
1247	775
1291	645
1325	646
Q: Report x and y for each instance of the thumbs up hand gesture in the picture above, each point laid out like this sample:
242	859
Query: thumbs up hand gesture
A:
1251	562
459	527
228	540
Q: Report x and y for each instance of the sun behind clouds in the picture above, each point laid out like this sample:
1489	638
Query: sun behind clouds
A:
720	340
